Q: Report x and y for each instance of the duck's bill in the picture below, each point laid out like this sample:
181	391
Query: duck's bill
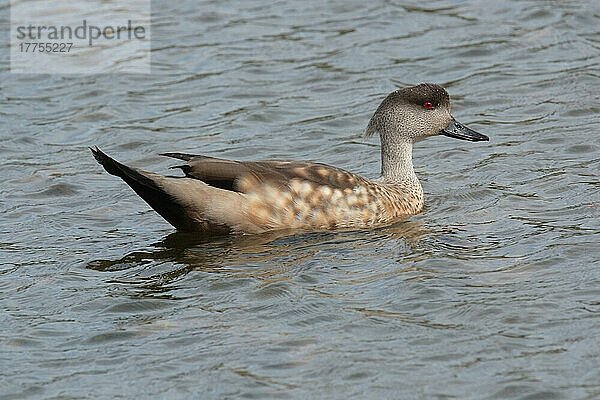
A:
457	130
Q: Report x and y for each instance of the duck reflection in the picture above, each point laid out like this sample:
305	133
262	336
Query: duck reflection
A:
269	257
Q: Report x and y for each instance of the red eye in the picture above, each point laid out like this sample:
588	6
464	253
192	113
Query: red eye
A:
428	105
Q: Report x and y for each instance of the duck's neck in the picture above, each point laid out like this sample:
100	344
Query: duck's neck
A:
396	164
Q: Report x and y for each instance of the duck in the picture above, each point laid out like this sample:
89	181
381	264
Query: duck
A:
222	196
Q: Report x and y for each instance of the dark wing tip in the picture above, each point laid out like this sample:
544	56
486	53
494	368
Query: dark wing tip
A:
99	155
111	166
179	156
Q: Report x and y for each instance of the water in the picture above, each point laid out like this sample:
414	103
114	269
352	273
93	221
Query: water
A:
492	292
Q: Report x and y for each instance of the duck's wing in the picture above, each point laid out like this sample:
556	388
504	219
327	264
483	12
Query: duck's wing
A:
249	176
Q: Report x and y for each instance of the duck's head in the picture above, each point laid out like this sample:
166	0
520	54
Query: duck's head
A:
417	112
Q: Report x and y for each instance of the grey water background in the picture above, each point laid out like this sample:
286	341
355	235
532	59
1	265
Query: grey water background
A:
493	292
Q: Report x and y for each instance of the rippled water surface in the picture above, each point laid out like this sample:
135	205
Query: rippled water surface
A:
492	292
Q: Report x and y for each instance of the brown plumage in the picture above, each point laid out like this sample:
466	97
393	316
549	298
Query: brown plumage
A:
226	196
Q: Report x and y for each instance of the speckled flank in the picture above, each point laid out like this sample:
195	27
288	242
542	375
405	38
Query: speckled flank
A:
306	205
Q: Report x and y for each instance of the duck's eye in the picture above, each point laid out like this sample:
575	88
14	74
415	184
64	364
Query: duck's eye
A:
428	105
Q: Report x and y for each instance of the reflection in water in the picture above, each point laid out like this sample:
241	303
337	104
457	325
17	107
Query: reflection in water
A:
253	256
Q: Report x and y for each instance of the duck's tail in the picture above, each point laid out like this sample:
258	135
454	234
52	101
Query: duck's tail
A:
177	200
